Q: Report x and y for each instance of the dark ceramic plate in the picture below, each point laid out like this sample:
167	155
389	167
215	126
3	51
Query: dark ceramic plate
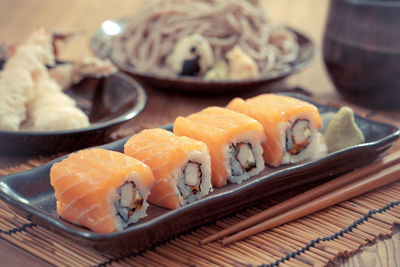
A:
108	102
31	195
112	28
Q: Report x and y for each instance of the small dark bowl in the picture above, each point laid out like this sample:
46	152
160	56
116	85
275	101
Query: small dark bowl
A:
108	102
361	51
100	45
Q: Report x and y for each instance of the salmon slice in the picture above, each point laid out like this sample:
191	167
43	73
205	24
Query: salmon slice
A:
224	131
102	190
181	166
279	114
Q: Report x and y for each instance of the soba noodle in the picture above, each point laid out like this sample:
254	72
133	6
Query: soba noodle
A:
152	34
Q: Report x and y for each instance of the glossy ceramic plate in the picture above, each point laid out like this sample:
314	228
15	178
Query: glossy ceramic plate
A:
100	44
30	194
108	102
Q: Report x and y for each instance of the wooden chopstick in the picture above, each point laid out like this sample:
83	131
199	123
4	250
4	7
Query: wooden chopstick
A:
356	188
305	197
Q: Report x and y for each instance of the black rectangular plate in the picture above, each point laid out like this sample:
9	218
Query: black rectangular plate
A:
30	194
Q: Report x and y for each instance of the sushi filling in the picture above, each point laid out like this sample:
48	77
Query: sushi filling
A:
128	201
191	183
242	159
298	136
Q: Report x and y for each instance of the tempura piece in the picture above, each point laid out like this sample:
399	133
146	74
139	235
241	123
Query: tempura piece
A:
72	73
14	85
18	77
241	65
52	110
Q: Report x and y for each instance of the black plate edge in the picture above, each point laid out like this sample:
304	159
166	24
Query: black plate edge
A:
32	211
142	101
66	228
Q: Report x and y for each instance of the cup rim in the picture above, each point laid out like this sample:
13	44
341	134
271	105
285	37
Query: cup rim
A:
379	3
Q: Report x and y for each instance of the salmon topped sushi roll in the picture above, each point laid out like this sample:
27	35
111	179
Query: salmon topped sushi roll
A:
102	190
181	166
290	124
234	141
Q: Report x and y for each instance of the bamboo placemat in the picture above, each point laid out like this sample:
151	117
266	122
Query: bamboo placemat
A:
318	239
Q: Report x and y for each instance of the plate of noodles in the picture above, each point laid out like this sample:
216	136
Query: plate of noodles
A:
223	46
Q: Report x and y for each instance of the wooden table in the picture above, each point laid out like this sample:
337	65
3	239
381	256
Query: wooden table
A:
18	18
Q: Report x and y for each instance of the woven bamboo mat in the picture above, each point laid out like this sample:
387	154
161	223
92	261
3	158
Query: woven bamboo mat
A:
319	239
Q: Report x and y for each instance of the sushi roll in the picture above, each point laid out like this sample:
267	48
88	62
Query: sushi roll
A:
234	141
181	166
291	127
102	190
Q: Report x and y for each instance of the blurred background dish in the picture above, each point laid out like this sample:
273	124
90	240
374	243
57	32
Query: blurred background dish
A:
110	29
108	101
361	50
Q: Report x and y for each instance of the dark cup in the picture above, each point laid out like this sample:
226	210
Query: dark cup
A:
361	50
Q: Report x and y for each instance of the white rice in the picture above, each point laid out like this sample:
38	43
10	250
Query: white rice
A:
144	192
252	138
316	148
203	159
